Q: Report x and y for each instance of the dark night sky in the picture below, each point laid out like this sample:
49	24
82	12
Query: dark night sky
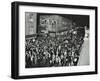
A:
80	20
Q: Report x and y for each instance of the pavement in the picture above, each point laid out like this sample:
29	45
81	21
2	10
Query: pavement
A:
84	54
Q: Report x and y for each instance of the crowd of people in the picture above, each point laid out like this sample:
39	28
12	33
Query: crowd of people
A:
48	51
